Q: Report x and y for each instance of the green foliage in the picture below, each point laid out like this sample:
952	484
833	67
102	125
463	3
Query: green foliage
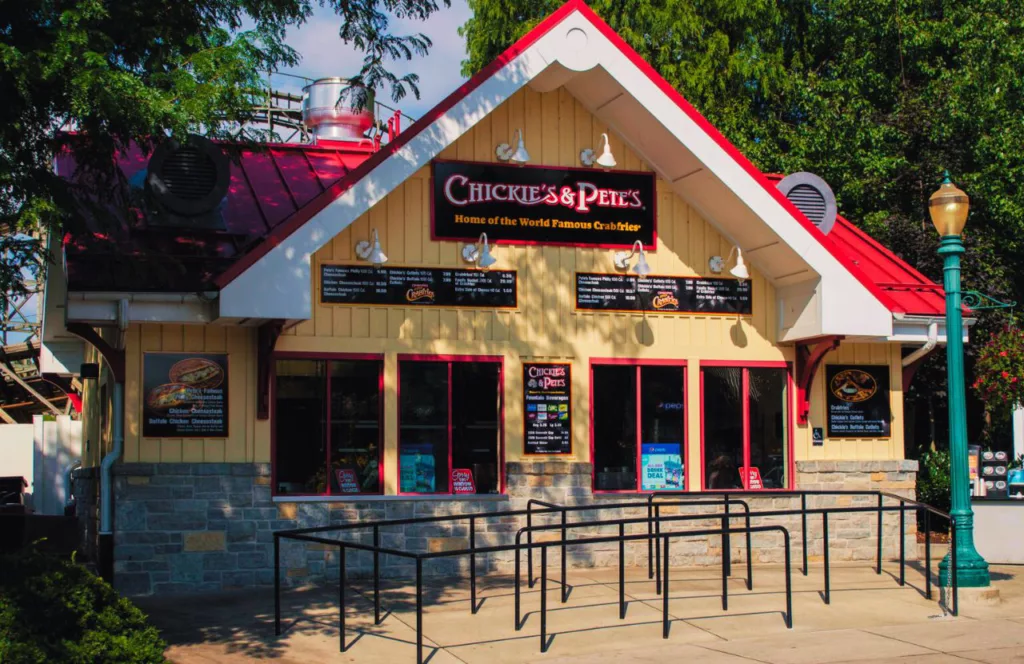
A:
140	71
933	480
1000	371
54	610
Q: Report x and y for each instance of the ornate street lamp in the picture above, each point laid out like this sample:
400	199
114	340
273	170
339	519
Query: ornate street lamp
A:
948	208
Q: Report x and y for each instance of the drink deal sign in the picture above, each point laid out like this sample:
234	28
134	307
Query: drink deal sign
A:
662	467
547	391
535	205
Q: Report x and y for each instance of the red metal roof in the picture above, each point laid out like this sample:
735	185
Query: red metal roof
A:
268	185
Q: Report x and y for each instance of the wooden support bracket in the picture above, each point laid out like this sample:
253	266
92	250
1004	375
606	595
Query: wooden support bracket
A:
113	356
809	355
266	339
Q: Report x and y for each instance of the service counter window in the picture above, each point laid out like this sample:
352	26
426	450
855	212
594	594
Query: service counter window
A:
450	425
638	427
327	426
746	427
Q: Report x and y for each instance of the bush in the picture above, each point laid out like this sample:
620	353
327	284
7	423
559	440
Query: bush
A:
54	610
933	483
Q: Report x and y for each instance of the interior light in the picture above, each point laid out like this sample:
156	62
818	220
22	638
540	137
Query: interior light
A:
371	251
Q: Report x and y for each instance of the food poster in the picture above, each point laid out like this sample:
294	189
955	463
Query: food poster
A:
661	467
857	398
547	392
185	395
418	474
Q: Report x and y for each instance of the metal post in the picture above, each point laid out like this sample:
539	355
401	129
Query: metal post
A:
803	522
341	598
529	547
376	575
565	593
878	563
543	598
750	552
726	540
971	569
928	554
903	544
518	574
472	564
824	525
953	577
725	574
657	550
789	587
664	595
277	585
650	537
419	611
622	571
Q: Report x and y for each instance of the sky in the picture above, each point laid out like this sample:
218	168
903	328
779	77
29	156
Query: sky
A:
323	55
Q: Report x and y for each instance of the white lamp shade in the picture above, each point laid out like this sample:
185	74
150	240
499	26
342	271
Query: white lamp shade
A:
520	156
642	268
372	252
740	270
606	160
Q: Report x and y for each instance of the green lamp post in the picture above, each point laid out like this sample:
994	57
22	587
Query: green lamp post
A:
948	208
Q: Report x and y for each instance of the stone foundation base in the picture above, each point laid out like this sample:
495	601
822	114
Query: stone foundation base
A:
209	527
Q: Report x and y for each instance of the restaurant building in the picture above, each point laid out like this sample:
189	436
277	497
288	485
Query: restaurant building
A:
314	334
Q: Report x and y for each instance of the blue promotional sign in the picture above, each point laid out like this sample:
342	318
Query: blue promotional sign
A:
662	467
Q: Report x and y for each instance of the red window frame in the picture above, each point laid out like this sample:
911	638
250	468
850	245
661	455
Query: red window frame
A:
326	357
638	364
450	360
745	366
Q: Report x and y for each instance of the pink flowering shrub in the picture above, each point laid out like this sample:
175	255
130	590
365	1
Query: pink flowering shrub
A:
1000	370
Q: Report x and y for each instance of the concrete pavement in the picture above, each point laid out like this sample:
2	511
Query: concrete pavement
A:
870	618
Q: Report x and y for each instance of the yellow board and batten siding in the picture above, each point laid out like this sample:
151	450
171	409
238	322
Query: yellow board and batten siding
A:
545	326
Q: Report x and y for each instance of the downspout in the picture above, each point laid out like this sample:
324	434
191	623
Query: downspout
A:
107	465
929	345
70	468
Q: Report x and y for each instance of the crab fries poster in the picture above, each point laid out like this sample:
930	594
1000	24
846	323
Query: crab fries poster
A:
185	395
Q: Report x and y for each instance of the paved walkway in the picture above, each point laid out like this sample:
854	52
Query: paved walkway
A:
870	619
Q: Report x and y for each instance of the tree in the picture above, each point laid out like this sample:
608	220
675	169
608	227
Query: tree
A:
876	96
140	71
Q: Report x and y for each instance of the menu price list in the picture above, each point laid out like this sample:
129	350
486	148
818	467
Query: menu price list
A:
356	284
547	428
662	294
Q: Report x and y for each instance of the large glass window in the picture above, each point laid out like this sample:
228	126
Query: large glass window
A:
449	420
327	426
746	427
638	427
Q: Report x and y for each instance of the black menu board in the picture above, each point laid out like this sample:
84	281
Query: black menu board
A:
547	392
858	401
185	395
659	294
417	286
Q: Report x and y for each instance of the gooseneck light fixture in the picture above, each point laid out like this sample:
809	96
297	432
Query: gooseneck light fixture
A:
739	270
479	253
371	251
517	156
948	208
622	258
606	160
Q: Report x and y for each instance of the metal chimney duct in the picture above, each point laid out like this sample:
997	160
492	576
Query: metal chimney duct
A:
329	110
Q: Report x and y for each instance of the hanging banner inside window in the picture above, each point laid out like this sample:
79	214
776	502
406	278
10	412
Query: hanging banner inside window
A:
539	205
417	286
858	401
662	467
547	391
186	395
662	295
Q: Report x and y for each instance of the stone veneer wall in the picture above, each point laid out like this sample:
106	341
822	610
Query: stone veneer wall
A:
208	527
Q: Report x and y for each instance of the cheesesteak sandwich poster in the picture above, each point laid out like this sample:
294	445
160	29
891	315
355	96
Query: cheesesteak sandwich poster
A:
185	395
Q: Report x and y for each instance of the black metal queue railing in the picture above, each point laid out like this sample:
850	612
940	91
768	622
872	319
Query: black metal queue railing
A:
657	540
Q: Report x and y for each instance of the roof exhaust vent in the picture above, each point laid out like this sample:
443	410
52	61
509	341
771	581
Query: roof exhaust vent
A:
812	196
333	109
186	184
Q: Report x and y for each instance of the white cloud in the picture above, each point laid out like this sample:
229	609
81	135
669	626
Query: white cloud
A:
323	54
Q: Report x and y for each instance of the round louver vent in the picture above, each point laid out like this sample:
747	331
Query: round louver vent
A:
812	196
190	178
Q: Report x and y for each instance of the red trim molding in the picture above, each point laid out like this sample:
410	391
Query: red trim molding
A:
266	339
910	370
809	355
113	356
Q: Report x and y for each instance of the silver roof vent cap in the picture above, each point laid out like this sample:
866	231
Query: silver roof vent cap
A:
812	196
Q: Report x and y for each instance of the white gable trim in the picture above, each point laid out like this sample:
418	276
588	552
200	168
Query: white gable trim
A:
278	284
